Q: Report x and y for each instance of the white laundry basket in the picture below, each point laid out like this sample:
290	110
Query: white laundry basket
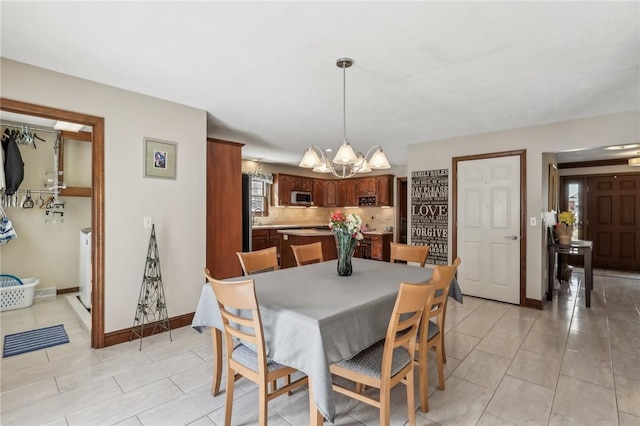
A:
18	296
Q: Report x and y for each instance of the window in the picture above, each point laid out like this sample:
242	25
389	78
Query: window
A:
259	197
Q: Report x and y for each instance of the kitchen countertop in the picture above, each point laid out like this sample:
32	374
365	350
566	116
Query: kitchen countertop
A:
291	225
378	233
306	232
322	233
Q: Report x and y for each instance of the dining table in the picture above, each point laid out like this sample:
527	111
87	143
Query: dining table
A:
312	317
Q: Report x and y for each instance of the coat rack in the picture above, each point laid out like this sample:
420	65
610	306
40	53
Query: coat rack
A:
152	308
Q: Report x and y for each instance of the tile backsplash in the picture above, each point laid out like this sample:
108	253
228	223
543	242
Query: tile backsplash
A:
374	217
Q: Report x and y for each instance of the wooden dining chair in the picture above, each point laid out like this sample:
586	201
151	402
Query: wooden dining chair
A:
432	332
259	261
308	253
390	361
245	348
409	253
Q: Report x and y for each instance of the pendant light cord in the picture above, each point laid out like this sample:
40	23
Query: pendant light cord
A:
344	100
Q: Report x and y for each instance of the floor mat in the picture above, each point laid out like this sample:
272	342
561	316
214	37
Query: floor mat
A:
33	340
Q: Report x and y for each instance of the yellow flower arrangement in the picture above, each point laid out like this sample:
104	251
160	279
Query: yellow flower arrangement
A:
564	227
567	217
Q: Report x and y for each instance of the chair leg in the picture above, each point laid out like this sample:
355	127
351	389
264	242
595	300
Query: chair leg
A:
216	338
231	378
262	403
423	373
287	383
385	406
411	405
444	318
440	366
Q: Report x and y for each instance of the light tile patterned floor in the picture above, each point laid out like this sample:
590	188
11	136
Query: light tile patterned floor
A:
565	365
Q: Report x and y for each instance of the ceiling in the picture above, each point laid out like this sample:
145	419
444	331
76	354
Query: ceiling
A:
266	71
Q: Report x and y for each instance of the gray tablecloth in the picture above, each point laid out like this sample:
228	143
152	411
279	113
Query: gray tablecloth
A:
313	318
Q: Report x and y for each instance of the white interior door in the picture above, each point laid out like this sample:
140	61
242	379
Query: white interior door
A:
488	218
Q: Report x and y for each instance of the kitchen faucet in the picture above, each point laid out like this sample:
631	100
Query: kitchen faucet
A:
254	219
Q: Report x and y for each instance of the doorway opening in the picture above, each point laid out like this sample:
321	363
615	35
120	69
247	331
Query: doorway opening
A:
97	200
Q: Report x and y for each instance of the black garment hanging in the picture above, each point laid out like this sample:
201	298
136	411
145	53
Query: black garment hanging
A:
13	165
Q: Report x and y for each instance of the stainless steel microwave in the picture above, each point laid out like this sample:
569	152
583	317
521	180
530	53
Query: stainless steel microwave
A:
301	198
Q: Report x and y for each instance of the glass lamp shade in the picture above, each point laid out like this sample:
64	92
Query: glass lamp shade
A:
345	155
310	159
634	162
362	165
379	160
322	168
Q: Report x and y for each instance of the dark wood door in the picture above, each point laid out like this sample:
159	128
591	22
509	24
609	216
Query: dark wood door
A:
613	221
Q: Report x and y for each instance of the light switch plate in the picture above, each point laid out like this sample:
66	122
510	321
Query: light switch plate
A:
532	221
147	222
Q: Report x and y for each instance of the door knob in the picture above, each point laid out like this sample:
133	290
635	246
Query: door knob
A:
512	237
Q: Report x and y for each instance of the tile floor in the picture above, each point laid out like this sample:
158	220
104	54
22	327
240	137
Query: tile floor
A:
565	365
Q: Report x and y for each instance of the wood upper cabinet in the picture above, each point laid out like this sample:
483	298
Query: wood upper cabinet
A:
281	191
347	193
330	193
384	186
367	186
318	192
306	184
377	190
284	184
300	183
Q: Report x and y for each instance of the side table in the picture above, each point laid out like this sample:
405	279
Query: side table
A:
581	247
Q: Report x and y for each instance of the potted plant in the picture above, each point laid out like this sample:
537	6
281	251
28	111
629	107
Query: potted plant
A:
564	227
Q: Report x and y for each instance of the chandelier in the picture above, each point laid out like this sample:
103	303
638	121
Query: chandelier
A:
346	163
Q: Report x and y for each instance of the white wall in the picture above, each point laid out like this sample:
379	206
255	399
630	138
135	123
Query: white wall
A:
177	206
619	128
49	251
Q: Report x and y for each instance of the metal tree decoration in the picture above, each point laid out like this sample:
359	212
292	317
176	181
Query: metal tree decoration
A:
152	308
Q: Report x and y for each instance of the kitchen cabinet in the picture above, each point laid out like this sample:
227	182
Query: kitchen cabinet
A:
265	238
283	185
275	240
281	190
318	192
259	239
347	193
380	246
367	186
224	225
372	191
384	187
330	193
300	183
375	246
306	236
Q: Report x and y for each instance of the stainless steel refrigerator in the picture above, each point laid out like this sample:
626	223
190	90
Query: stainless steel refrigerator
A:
246	213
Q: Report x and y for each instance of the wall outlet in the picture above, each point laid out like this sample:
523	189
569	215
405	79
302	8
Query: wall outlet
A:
147	222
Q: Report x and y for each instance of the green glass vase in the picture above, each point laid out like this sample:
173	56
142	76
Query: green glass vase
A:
346	246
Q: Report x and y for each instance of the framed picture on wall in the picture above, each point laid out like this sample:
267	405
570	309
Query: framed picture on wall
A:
160	158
